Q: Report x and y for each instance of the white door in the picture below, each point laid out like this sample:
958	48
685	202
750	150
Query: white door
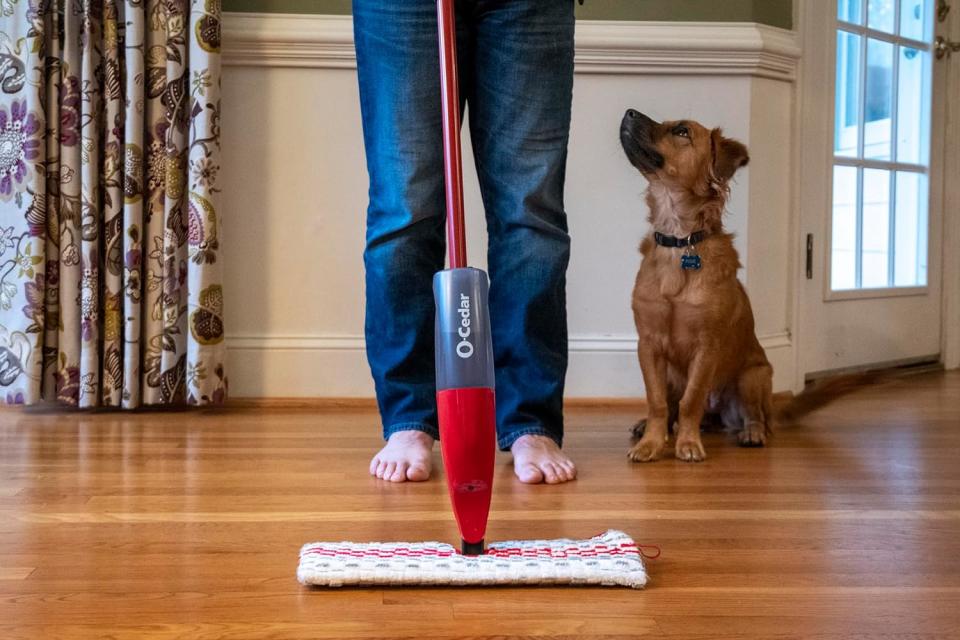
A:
871	189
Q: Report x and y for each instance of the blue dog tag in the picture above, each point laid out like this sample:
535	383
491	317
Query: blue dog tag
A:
690	262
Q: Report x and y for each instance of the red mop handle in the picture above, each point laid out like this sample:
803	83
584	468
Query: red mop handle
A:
452	164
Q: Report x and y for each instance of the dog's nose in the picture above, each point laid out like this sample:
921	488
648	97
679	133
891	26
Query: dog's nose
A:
631	113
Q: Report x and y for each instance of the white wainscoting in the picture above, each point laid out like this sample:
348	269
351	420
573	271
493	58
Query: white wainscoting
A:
295	185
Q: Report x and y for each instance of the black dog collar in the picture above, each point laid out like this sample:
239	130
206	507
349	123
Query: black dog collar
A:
673	241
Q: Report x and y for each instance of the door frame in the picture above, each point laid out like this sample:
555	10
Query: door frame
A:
812	133
950	314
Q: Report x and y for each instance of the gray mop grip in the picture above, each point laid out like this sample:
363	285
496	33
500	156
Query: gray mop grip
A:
464	350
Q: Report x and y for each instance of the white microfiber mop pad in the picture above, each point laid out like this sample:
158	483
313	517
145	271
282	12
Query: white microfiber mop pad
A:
610	559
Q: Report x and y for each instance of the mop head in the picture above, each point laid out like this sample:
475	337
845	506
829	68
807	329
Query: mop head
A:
609	559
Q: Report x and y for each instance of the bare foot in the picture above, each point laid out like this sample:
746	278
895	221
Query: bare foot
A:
538	459
407	456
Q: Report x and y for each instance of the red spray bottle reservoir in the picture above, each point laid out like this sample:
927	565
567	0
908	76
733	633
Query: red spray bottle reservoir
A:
465	398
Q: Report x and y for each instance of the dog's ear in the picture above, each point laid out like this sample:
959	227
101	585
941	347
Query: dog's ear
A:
728	155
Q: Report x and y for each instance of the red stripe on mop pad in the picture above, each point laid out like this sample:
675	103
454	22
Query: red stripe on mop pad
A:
609	559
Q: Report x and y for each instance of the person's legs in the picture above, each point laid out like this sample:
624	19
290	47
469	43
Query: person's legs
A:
398	69
519	103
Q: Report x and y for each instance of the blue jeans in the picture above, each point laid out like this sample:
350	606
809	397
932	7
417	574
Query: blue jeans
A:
516	74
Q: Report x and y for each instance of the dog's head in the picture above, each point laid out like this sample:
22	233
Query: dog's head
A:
683	155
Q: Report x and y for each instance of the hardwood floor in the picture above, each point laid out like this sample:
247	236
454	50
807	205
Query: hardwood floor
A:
187	525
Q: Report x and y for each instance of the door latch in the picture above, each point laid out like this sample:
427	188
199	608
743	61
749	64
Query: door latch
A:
809	256
943	47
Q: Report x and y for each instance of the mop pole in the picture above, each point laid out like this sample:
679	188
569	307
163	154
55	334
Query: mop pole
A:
464	354
452	162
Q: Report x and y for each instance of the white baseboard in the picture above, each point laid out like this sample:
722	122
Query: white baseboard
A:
336	366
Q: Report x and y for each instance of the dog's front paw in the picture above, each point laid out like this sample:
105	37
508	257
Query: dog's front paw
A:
753	434
690	450
647	450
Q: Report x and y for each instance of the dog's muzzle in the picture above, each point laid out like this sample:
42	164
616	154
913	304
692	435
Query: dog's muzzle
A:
636	138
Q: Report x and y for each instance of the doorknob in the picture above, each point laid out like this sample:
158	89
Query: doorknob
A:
943	47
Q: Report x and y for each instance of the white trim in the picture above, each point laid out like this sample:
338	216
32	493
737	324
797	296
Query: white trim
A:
288	40
335	366
928	362
797	245
950	310
866	293
708	48
578	344
609	47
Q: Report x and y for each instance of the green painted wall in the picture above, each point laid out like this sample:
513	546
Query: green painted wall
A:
778	13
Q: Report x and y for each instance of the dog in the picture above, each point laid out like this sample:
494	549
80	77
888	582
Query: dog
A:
696	342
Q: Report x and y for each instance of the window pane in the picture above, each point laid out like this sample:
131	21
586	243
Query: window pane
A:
913	106
848	94
878	100
849	10
880	15
915	19
843	245
910	231
875	228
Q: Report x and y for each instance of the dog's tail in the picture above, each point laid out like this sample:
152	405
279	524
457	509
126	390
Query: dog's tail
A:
823	392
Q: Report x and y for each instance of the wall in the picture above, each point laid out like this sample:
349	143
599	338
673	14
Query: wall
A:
772	12
295	193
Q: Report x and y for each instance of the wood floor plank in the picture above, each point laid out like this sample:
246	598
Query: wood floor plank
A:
15	573
187	526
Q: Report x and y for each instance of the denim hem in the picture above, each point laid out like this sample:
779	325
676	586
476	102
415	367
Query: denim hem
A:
423	427
508	439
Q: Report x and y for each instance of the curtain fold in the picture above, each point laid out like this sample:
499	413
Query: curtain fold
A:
110	263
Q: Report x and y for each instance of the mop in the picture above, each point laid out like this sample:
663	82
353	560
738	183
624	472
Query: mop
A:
467	421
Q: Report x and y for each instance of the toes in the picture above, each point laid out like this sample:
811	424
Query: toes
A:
750	440
374	465
551	475
400	473
646	451
539	459
387	470
569	469
418	472
529	474
690	451
381	467
753	435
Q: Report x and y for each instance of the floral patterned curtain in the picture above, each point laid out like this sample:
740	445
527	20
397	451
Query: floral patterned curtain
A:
110	283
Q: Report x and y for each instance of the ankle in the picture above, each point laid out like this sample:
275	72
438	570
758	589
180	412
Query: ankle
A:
412	436
535	440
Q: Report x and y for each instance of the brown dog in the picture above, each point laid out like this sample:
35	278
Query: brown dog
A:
697	347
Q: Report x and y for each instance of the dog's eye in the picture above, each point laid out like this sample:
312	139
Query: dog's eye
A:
681	131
